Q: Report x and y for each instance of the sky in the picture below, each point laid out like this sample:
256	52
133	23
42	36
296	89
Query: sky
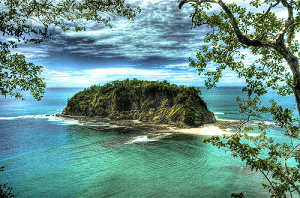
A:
155	46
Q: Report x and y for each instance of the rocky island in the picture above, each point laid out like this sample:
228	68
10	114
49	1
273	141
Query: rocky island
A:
151	102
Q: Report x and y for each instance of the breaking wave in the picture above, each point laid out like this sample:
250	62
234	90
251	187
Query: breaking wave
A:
62	121
145	138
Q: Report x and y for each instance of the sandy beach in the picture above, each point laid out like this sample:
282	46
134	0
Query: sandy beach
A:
208	129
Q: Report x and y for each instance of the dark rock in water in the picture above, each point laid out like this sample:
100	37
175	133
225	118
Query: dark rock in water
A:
148	101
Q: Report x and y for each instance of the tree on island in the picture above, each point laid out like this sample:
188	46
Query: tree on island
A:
30	21
254	28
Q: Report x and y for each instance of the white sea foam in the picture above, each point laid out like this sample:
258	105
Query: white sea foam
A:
54	119
69	122
8	118
23	117
219	113
51	118
141	139
145	138
227	120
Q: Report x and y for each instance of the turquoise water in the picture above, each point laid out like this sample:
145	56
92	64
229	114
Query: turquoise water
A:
45	156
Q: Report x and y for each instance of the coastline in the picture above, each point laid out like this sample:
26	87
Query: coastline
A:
219	128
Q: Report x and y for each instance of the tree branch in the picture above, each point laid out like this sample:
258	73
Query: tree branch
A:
267	179
289	22
286	157
198	2
266	13
241	37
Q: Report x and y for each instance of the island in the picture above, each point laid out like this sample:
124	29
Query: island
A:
155	106
147	101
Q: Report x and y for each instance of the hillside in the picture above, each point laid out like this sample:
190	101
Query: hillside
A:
149	101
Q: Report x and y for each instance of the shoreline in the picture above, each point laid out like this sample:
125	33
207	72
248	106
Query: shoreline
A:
219	128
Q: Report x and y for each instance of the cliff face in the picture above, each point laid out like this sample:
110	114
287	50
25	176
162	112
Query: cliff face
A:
151	101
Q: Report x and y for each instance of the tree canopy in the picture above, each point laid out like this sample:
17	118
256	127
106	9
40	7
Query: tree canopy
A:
252	30
30	21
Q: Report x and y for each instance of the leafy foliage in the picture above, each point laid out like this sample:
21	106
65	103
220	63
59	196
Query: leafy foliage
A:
192	116
252	30
16	72
29	22
5	191
238	195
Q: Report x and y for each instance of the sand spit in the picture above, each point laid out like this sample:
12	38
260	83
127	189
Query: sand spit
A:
218	128
209	129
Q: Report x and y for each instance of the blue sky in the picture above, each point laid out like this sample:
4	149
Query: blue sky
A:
155	46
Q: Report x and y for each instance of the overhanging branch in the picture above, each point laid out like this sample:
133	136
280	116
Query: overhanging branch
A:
240	35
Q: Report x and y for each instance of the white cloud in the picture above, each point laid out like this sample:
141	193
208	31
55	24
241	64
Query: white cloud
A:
88	77
282	14
178	66
31	53
95	76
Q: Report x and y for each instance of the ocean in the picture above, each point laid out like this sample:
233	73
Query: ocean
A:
46	156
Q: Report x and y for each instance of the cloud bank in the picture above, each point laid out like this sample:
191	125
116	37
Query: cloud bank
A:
155	46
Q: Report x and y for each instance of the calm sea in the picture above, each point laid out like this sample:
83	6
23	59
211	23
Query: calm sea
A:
52	157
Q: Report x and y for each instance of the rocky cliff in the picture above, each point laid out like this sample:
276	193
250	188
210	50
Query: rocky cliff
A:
150	101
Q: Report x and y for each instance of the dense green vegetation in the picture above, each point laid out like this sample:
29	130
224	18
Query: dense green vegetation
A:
154	100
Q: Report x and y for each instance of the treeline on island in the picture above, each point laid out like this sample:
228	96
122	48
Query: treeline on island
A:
150	101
